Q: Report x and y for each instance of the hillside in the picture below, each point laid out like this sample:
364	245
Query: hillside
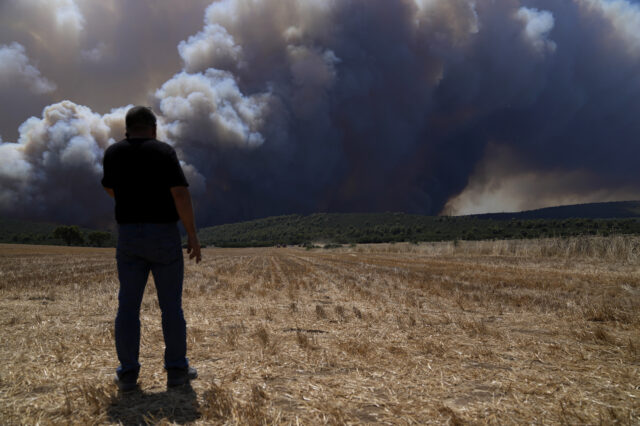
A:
26	232
616	209
346	228
11	227
396	227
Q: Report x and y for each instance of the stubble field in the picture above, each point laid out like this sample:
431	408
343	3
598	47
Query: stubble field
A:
543	331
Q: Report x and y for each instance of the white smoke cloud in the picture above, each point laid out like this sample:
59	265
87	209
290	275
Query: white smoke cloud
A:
67	14
99	53
62	16
210	105
15	175
96	54
460	16
313	74
624	17
503	183
15	68
507	194
213	47
538	24
55	167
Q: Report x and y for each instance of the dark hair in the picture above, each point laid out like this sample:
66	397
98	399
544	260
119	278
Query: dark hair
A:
140	118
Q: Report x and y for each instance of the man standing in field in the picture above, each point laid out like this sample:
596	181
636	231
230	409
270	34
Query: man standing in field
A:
151	194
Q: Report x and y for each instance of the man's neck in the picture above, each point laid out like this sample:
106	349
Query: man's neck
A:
142	135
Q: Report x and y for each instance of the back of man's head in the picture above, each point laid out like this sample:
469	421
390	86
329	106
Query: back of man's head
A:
140	119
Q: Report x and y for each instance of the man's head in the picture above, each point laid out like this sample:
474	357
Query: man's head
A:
140	122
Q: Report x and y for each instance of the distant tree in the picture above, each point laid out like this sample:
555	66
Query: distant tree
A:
98	238
71	235
22	238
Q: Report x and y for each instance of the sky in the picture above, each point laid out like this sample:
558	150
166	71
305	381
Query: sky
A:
302	106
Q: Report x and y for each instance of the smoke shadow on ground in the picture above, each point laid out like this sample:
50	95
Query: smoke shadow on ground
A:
178	405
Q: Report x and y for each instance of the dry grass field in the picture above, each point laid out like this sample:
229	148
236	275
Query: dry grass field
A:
498	332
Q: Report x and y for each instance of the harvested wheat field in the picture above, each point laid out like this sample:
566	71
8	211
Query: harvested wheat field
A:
541	331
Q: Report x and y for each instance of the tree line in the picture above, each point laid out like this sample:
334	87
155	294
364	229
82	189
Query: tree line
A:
337	228
328	229
70	235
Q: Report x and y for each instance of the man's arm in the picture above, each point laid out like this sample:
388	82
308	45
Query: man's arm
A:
110	191
182	199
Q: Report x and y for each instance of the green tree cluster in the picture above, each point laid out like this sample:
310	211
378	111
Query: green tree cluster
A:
98	238
71	235
397	227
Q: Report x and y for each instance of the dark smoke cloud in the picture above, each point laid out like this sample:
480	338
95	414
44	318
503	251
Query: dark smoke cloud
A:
367	105
577	134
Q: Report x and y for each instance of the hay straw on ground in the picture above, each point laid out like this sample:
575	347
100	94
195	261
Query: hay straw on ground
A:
491	332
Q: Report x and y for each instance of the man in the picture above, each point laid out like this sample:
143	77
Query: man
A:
150	190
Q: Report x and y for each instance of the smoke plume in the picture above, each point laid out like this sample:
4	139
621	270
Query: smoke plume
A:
15	67
359	105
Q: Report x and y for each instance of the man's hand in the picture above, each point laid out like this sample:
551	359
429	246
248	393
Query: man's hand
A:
193	248
182	199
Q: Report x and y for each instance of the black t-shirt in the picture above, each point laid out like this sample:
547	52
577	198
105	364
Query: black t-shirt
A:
140	172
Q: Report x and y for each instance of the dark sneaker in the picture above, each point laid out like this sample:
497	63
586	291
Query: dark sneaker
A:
127	381
180	376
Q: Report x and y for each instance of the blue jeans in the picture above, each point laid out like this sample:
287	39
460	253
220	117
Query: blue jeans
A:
157	248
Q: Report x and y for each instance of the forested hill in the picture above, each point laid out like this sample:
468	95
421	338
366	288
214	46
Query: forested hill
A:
616	209
12	227
26	232
338	228
395	227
